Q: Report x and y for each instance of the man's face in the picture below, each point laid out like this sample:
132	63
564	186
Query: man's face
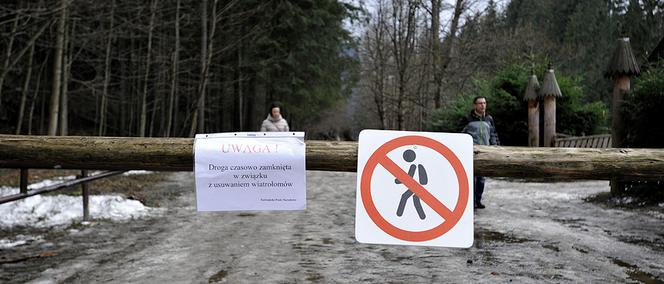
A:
480	106
275	112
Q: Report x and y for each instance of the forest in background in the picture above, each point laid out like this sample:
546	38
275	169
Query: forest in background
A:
417	66
168	68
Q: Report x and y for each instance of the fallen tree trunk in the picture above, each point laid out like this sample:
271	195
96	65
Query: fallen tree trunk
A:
176	154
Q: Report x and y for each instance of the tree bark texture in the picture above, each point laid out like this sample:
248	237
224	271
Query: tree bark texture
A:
148	63
549	121
107	74
10	45
57	70
176	154
533	123
174	73
24	92
435	51
621	85
64	93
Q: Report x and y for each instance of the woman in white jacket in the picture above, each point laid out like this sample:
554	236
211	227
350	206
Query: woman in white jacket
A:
274	122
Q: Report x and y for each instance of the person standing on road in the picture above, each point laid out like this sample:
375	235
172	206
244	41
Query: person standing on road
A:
481	127
274	122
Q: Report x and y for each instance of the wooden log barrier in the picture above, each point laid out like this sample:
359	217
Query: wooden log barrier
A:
176	154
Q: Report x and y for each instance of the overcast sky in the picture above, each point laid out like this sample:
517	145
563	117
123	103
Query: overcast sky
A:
448	6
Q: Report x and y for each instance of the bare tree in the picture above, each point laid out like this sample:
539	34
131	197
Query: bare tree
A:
148	64
174	73
64	95
207	40
107	74
403	38
435	50
57	69
10	45
24	91
376	60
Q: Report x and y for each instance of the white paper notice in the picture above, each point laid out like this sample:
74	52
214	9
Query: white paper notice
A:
250	171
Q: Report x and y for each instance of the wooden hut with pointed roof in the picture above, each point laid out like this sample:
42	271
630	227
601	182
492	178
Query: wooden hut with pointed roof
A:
621	68
549	92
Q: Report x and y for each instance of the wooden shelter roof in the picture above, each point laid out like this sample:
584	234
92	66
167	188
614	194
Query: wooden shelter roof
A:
531	89
550	85
623	62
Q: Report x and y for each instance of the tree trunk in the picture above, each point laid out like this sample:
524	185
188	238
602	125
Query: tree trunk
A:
200	102
621	85
207	40
176	154
146	77
376	52
533	123
24	92
174	73
549	121
64	96
155	103
435	50
238	117
10	45
454	29
57	70
449	49
249	105
403	44
107	74
16	58
35	95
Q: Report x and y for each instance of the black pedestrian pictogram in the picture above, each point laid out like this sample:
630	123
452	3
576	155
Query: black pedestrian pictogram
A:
409	156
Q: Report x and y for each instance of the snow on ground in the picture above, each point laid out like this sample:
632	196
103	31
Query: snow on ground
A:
57	210
18	240
137	172
43	183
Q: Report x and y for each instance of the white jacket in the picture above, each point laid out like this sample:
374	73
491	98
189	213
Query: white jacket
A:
271	124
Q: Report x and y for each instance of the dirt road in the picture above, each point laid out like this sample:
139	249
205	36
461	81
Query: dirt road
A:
530	232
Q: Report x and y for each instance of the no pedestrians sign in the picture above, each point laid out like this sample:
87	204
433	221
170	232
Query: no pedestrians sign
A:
414	188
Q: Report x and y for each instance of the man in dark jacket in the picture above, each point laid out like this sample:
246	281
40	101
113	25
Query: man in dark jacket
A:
481	127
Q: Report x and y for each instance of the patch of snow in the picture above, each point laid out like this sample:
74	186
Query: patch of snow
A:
18	240
57	210
655	214
49	211
49	182
141	172
5	190
626	200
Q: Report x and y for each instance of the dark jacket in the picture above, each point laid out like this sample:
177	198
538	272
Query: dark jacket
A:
482	128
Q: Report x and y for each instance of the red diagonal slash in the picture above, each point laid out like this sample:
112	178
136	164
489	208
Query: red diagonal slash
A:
379	156
415	187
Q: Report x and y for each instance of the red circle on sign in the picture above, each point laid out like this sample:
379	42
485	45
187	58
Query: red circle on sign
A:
451	217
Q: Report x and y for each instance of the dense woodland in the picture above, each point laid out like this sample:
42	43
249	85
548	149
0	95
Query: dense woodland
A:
168	68
417	66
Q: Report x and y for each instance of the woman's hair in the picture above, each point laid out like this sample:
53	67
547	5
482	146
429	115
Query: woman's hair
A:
275	104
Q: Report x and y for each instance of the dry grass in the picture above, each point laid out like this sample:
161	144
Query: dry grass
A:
10	177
